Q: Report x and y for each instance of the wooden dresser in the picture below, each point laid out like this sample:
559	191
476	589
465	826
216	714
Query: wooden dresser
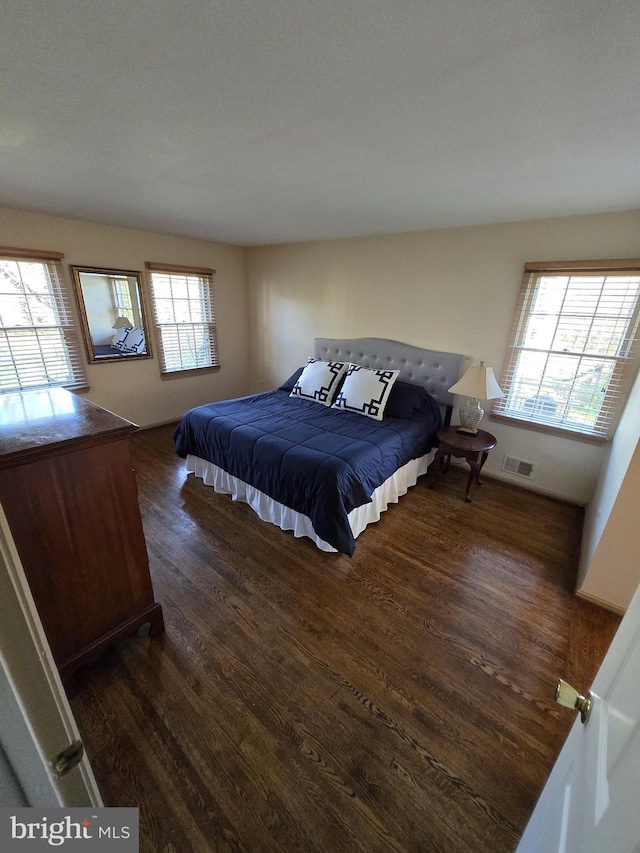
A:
69	492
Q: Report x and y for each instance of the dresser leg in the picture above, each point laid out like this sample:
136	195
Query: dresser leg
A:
156	626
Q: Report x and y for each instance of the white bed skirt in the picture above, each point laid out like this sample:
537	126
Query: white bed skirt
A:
286	519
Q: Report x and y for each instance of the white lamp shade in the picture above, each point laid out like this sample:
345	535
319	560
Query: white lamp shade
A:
479	383
121	323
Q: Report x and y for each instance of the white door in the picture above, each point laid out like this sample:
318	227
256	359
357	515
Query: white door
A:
591	801
36	723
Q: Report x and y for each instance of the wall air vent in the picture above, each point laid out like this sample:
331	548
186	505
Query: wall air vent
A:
517	466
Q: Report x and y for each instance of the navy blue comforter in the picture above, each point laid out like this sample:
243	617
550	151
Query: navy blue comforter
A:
318	461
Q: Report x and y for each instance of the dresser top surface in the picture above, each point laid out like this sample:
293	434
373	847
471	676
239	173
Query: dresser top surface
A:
40	422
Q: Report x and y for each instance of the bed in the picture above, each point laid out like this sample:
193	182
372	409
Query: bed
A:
108	351
127	341
321	471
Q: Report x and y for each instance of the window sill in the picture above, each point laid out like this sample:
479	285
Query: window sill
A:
549	430
192	371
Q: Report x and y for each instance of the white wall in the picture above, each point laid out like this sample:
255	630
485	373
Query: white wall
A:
134	389
610	559
452	290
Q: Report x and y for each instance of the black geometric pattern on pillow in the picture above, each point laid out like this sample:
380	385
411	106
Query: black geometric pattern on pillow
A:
134	342
370	407
323	393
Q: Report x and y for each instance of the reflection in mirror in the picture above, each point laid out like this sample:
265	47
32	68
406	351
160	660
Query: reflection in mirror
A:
112	312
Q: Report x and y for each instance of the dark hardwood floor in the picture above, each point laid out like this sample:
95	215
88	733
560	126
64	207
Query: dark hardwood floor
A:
400	700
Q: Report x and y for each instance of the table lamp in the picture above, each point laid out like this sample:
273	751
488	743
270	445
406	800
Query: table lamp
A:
479	383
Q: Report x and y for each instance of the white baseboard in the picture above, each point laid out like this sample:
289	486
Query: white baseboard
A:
531	488
159	423
594	599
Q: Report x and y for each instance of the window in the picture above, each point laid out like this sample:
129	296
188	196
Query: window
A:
184	319
39	346
122	302
572	346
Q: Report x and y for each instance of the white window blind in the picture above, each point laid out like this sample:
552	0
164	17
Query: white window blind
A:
39	345
122	302
572	346
184	317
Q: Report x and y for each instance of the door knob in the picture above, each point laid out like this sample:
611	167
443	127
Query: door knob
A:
67	759
568	697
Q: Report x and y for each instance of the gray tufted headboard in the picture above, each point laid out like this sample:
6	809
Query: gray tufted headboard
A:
435	371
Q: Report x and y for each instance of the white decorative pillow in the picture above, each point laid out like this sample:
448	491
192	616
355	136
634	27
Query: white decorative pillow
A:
119	339
366	391
134	342
319	381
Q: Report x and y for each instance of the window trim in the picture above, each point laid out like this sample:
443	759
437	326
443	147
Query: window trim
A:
67	320
7	252
206	274
625	365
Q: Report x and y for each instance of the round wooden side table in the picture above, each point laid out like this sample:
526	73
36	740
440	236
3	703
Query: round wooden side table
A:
473	448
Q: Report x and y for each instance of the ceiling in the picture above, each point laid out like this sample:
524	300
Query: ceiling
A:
253	122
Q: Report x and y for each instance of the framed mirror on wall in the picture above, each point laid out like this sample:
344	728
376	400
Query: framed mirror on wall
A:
112	313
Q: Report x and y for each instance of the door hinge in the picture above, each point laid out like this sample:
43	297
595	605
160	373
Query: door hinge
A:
67	759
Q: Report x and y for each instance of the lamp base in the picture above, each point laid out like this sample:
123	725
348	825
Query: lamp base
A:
470	416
